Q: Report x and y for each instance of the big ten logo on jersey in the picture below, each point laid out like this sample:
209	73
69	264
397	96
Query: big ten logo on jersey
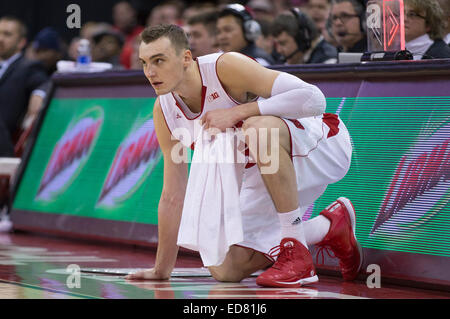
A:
212	97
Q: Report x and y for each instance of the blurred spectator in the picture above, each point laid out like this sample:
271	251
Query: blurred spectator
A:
136	63
19	77
237	31
424	30
319	11
90	28
86	32
267	42
348	25
168	12
73	47
107	46
47	48
125	21
445	5
262	9
196	9
281	6
298	40
202	33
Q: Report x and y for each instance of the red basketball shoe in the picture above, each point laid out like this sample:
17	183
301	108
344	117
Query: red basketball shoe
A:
341	238
293	268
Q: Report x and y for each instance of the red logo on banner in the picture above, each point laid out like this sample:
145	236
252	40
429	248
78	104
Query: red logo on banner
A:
420	181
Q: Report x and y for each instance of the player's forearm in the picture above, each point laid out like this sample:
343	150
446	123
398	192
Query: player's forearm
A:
299	100
293	98
244	111
169	216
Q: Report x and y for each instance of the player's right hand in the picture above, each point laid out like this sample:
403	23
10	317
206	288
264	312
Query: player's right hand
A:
148	274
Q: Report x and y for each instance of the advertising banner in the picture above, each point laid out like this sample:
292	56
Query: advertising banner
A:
95	169
101	159
96	158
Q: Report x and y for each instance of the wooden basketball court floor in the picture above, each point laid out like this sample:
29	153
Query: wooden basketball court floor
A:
36	267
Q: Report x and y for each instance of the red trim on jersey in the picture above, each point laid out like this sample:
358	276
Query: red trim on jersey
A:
332	121
229	96
217	75
290	135
247	154
204	89
297	124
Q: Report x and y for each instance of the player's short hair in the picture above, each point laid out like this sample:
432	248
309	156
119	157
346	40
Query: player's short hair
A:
434	16
174	33
208	19
21	25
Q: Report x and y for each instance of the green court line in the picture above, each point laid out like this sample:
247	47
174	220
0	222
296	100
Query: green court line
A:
49	289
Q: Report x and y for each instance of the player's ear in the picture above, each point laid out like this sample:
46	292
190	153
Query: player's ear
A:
187	57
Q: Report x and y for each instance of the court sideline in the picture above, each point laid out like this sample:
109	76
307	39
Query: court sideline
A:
34	267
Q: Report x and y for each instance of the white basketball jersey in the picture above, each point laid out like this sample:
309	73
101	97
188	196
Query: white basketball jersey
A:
320	152
176	112
214	96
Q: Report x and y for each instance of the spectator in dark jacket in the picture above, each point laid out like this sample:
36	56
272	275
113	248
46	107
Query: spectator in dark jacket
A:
348	25
424	30
238	31
18	79
298	40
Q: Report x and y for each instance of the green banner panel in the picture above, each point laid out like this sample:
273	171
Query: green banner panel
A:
99	158
95	158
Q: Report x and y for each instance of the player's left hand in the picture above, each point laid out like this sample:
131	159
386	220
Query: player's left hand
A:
220	119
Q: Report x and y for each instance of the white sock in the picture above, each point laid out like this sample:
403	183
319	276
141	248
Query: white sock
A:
292	225
316	229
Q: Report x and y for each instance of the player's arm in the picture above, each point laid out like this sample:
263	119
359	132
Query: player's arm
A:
285	95
171	201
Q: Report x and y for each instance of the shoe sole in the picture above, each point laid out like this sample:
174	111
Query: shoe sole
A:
351	212
289	284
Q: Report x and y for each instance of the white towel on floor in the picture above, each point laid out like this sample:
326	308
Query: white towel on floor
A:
211	221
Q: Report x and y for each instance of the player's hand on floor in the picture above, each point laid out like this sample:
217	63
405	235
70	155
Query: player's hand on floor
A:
148	274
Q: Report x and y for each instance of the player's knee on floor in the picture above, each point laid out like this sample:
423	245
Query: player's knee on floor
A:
226	274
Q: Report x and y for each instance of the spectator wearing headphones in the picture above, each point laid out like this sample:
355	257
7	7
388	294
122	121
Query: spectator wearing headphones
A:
298	40
347	23
424	30
238	31
202	33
